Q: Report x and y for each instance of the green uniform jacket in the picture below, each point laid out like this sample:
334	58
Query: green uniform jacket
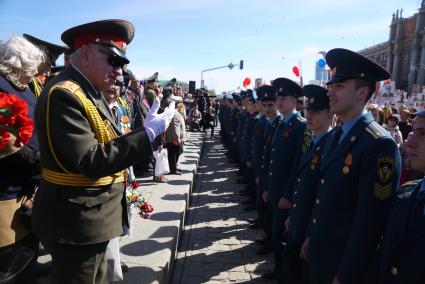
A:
81	215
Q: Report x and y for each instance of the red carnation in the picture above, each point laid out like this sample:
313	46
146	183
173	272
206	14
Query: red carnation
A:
14	119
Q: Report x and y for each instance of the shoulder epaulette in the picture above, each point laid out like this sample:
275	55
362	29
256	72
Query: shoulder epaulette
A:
406	189
300	118
375	130
411	183
69	86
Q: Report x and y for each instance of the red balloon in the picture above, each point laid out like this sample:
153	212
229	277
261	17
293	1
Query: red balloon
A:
246	82
296	71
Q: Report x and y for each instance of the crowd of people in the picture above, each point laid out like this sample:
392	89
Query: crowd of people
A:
337	182
332	180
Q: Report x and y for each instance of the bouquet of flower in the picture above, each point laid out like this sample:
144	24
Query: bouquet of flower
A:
14	120
135	199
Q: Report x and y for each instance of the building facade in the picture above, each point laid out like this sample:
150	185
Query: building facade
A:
404	53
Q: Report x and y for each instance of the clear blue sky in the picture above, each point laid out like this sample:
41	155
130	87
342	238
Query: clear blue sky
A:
181	38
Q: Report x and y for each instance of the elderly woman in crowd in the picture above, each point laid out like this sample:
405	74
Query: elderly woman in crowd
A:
18	164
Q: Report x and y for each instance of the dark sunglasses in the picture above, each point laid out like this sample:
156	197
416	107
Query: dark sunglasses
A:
112	59
268	105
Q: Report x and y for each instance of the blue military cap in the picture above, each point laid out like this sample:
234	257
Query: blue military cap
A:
250	95
236	97
317	98
287	87
243	94
266	93
420	113
346	64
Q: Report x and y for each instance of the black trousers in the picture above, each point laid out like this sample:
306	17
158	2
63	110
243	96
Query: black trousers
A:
78	264
174	152
294	269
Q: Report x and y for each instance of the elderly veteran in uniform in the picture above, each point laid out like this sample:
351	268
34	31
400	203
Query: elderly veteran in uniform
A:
81	203
151	89
289	142
319	120
403	248
51	52
359	174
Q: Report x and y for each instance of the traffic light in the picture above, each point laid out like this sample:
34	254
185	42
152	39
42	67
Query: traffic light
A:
241	65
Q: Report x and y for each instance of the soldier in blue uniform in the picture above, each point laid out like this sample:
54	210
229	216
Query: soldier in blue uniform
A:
319	120
268	94
403	249
359	174
246	147
287	147
254	158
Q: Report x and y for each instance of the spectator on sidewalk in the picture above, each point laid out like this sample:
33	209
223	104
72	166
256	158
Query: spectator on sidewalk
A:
175	136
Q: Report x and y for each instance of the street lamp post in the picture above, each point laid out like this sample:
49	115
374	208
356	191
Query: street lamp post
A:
230	66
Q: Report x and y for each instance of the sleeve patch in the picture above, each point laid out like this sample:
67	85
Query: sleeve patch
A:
382	192
385	169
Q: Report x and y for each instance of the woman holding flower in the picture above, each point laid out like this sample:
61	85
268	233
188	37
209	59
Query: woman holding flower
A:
19	156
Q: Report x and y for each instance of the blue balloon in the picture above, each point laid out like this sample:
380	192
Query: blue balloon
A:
321	62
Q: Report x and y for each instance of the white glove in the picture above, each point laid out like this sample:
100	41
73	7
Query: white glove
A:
155	123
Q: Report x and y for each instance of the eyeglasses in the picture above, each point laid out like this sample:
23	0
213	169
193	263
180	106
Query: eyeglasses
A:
112	59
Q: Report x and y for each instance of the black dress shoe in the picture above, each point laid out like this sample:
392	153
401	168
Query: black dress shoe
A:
270	275
256	225
252	220
264	250
124	267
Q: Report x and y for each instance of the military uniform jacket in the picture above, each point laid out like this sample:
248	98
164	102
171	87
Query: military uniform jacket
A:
265	162
247	136
287	147
403	250
241	131
258	141
357	180
304	194
77	214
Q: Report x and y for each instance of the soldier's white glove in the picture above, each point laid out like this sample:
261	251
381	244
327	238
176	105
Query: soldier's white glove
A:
155	123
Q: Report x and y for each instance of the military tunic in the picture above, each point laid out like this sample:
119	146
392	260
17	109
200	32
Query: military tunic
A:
403	249
81	214
358	177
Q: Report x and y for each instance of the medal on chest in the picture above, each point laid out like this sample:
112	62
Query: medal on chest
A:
347	163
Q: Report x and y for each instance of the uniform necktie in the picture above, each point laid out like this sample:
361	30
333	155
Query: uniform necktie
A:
114	112
337	136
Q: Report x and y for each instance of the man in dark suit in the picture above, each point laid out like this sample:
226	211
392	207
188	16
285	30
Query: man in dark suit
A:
359	173
80	204
403	249
319	120
287	146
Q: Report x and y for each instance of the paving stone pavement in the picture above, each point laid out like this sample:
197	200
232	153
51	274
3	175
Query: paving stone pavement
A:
217	246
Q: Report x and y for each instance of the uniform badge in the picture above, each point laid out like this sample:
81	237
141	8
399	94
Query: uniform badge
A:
347	163
385	169
312	100
382	192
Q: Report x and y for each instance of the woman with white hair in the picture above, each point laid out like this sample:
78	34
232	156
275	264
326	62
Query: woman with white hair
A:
18	165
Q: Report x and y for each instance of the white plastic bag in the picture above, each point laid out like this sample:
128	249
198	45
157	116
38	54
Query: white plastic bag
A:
161	162
113	260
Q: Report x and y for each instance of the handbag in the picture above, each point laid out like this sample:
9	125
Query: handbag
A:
161	162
